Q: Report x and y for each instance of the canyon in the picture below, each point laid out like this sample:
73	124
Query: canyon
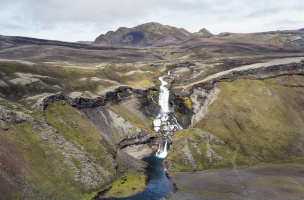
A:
78	119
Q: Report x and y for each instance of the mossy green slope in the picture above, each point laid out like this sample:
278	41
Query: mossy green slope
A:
42	172
92	81
129	184
74	128
260	121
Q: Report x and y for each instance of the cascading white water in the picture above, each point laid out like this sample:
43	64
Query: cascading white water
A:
162	152
164	121
164	96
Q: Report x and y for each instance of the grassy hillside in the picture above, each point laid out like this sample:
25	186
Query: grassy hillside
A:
40	171
24	80
259	121
65	157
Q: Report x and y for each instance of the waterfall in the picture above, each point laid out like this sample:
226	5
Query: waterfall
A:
162	149
164	96
164	122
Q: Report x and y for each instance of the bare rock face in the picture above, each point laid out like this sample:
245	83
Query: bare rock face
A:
13	117
3	125
201	99
140	146
204	33
47	98
3	84
149	34
187	155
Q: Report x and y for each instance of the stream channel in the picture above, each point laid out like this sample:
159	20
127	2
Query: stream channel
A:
165	124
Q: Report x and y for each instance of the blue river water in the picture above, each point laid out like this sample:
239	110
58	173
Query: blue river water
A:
158	184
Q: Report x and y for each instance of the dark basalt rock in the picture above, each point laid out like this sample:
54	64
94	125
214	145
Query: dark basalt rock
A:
182	112
139	139
258	73
184	64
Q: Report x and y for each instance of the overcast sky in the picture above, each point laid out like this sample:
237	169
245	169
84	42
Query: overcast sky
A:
84	20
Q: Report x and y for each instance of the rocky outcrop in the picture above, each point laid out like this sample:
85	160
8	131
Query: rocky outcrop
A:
46	99
3	124
140	151
90	171
123	128
187	155
4	84
149	34
136	140
140	146
210	154
184	64
259	71
79	100
13	117
200	100
108	120
202	93
194	152
292	66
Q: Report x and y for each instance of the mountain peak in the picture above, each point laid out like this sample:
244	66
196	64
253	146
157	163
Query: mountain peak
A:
204	33
148	34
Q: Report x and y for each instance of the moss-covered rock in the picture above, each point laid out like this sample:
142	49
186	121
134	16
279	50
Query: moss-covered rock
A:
128	185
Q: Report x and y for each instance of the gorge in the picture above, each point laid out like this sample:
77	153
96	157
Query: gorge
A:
158	183
223	114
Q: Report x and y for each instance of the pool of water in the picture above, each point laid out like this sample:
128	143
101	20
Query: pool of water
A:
158	184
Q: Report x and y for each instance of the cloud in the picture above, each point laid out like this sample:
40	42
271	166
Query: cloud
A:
73	20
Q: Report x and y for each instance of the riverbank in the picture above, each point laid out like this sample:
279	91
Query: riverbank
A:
157	184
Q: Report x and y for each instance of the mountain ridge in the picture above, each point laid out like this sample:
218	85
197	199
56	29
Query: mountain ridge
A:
148	34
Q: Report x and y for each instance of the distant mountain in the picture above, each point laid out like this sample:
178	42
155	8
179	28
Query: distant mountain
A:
16	41
149	34
85	42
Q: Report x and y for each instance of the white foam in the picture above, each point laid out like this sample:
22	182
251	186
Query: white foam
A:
162	151
164	96
156	122
164	121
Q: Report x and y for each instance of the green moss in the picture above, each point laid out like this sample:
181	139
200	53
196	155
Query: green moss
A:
258	119
181	134
44	170
187	102
260	116
153	94
76	163
129	184
74	128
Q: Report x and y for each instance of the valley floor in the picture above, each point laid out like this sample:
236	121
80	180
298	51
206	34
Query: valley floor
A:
268	181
